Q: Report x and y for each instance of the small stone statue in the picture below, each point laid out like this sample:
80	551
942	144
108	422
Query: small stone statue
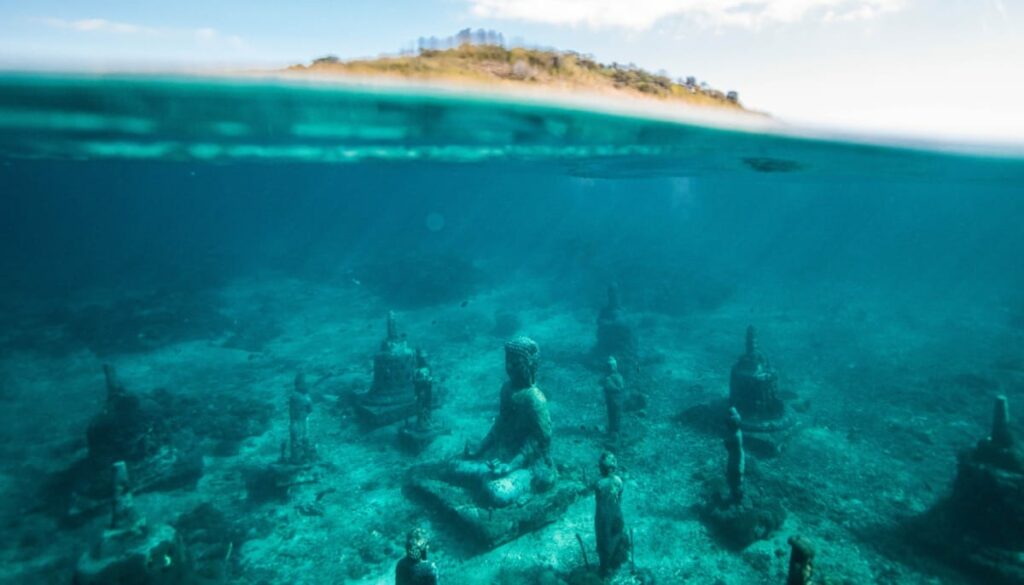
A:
130	551
615	334
390	397
415	568
612	544
300	406
739	517
416	437
123	515
614	397
736	463
801	562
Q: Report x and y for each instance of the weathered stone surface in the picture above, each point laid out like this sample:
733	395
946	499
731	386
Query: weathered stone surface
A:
490	527
391	396
509	484
154	556
981	524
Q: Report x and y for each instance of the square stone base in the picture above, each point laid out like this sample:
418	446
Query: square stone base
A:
379	415
489	528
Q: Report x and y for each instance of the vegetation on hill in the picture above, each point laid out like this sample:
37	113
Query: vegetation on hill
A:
489	64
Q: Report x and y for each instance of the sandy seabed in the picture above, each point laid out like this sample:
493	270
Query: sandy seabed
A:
894	389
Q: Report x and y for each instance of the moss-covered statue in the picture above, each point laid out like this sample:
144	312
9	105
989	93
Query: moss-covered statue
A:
417	436
739	516
508	484
610	527
298	464
130	550
514	459
614	389
981	524
415	568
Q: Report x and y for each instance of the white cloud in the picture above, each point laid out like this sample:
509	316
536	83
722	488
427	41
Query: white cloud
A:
644	14
204	35
99	25
210	36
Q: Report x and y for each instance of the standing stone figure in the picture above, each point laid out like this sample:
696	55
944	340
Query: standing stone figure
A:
300	406
418	436
614	396
736	463
122	516
801	562
414	568
612	543
740	518
132	551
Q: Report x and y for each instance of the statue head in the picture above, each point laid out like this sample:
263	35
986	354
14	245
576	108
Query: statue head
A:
613	365
607	464
521	357
733	420
416	544
300	383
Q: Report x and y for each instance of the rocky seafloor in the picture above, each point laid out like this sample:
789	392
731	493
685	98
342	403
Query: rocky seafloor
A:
889	389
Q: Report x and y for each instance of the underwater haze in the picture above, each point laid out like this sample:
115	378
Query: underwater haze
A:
200	381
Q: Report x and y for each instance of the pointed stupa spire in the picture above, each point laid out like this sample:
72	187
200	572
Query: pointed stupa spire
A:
1001	436
392	327
751	340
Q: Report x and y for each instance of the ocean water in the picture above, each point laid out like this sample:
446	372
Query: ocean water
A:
211	239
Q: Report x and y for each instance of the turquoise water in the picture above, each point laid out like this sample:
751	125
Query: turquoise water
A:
211	238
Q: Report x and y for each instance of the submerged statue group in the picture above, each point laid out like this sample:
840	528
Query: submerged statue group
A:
508	483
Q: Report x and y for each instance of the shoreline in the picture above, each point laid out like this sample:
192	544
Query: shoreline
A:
610	104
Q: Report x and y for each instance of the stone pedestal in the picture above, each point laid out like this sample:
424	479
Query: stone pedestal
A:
740	523
130	552
490	527
137	556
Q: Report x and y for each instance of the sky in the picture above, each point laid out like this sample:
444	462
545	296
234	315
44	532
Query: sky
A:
948	69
